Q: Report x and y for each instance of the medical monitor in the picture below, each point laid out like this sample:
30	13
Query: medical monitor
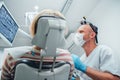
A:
8	26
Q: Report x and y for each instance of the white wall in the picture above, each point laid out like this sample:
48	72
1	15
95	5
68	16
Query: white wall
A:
107	17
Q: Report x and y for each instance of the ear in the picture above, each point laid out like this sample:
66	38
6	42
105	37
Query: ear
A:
92	35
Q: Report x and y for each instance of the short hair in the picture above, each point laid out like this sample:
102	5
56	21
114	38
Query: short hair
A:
45	12
94	28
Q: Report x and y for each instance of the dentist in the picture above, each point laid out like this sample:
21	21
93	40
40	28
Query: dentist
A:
98	62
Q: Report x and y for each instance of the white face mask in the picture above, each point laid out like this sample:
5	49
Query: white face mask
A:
78	39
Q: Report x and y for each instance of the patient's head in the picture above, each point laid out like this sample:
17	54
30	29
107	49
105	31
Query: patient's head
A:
46	12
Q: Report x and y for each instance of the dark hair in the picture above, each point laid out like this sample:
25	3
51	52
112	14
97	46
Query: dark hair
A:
94	28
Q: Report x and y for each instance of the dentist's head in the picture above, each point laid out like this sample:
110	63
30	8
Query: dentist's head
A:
89	33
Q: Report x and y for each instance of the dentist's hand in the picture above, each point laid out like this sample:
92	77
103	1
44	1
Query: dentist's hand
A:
78	64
